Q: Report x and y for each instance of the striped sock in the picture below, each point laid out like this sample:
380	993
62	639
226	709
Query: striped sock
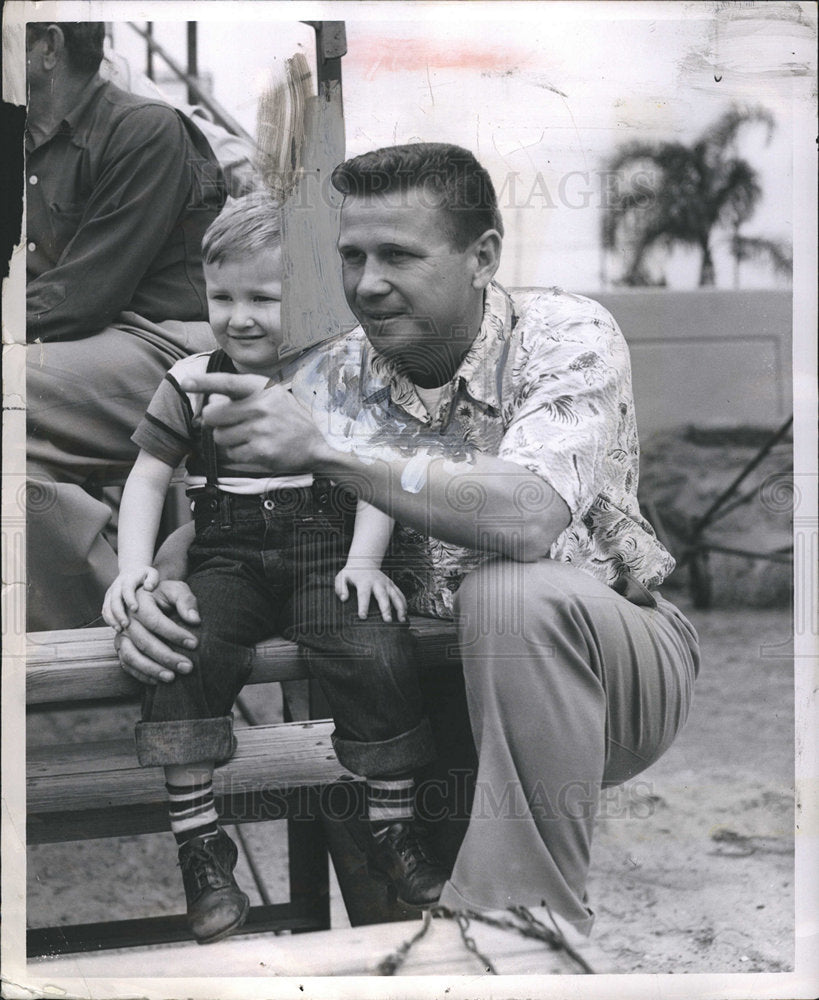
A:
192	811
389	802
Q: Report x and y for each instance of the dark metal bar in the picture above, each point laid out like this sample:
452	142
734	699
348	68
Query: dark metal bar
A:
308	867
149	52
220	115
726	509
256	875
295	915
784	556
775	438
248	716
193	61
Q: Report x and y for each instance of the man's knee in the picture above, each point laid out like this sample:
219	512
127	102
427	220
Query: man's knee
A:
500	594
509	610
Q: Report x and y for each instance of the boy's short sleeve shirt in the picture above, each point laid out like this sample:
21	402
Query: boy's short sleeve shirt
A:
545	385
171	431
171	428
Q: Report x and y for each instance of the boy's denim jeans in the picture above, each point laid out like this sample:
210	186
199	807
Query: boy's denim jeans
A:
263	566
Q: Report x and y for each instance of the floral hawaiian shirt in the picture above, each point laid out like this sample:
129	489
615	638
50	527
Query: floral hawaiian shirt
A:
547	385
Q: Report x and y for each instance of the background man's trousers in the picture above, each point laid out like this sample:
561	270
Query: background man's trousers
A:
84	399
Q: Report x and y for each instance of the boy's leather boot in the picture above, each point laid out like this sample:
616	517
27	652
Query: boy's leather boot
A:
216	904
402	858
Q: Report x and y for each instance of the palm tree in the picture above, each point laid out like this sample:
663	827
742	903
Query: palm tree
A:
669	193
777	254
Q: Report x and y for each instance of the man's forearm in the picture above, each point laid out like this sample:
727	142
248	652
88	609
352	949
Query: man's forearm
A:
487	504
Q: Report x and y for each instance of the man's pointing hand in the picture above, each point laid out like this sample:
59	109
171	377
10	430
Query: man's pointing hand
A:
258	426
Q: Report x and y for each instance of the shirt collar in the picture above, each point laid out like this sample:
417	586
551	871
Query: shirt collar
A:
74	118
481	370
479	373
71	122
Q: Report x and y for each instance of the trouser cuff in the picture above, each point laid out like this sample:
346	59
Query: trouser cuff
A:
184	741
386	758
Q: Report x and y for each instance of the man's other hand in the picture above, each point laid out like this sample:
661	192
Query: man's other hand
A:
147	648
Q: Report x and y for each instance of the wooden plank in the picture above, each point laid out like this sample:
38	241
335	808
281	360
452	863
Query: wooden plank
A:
81	664
310	231
106	774
96	824
355	951
152	817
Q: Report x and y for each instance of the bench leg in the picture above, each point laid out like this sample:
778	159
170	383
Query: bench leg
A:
307	854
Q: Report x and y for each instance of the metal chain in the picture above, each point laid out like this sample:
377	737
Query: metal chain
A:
393	962
469	942
553	937
530	927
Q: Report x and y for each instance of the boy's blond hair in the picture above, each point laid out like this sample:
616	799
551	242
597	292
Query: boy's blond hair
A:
245	226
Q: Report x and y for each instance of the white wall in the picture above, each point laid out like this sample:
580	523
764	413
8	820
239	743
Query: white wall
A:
707	357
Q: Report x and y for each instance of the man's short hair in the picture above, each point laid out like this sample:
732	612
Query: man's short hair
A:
245	226
83	41
449	174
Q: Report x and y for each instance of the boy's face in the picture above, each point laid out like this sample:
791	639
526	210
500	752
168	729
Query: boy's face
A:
245	309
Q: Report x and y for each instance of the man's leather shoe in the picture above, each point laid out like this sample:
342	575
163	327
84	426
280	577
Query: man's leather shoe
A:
216	904
402	858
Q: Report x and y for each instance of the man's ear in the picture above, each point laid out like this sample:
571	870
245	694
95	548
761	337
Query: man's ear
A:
487	251
53	46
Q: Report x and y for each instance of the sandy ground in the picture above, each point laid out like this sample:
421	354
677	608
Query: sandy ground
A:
705	883
693	861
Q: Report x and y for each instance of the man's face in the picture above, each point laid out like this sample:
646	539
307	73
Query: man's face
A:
410	289
245	309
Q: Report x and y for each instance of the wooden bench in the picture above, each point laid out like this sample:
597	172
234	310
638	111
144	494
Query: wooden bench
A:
96	789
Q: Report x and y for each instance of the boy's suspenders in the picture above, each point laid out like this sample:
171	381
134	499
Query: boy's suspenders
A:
211	490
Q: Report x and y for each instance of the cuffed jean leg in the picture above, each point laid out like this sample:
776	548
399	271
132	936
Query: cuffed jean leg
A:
368	670
179	727
189	719
569	686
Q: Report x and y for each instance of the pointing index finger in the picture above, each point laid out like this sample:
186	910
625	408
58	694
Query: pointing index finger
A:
235	387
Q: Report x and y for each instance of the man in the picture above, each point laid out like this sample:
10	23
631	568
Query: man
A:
119	191
499	433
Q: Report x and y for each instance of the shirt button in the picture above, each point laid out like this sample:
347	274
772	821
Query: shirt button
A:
268	504
32	246
33	179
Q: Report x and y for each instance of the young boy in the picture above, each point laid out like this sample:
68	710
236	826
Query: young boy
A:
268	558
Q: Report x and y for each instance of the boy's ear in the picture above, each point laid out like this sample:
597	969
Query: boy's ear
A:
486	251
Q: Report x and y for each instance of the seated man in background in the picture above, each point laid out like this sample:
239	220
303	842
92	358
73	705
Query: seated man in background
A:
119	191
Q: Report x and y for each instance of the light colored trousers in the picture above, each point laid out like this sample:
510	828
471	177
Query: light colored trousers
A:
84	399
570	687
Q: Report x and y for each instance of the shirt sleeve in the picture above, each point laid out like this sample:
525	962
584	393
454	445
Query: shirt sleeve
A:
145	183
166	431
571	383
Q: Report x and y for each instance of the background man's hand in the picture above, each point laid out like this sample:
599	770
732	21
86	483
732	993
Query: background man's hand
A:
146	648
